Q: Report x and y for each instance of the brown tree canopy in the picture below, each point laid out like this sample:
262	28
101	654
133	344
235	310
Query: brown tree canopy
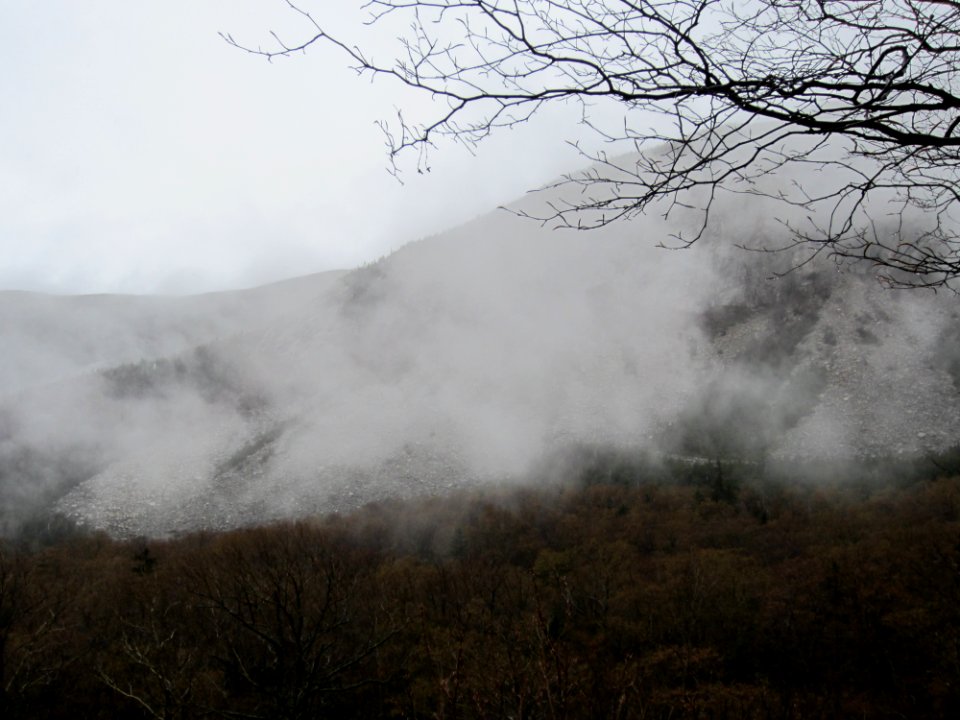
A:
715	95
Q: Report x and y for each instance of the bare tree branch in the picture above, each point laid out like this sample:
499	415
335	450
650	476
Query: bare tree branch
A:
867	91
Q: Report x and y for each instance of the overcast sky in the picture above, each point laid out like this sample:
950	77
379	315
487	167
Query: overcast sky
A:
140	153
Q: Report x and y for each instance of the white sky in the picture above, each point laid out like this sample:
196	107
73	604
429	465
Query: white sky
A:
141	153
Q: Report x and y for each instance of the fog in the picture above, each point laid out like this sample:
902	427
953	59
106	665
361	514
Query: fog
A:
465	358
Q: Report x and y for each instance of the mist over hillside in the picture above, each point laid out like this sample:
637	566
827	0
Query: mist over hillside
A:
47	338
464	358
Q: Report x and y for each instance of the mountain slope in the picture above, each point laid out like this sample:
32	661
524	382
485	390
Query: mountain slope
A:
46	338
470	356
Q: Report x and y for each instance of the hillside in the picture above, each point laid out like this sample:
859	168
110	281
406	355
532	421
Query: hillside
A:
47	338
475	356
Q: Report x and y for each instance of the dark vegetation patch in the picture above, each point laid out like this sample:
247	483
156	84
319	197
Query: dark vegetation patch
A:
717	320
364	288
32	480
731	418
865	336
641	587
948	352
201	371
792	305
252	454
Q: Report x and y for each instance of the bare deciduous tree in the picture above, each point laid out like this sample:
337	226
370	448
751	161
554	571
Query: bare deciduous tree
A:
866	93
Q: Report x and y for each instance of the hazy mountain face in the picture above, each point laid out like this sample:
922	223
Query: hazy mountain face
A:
47	338
469	357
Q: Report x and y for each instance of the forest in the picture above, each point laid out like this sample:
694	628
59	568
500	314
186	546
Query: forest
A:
699	591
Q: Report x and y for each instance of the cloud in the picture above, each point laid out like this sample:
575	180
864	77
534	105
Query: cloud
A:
142	148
